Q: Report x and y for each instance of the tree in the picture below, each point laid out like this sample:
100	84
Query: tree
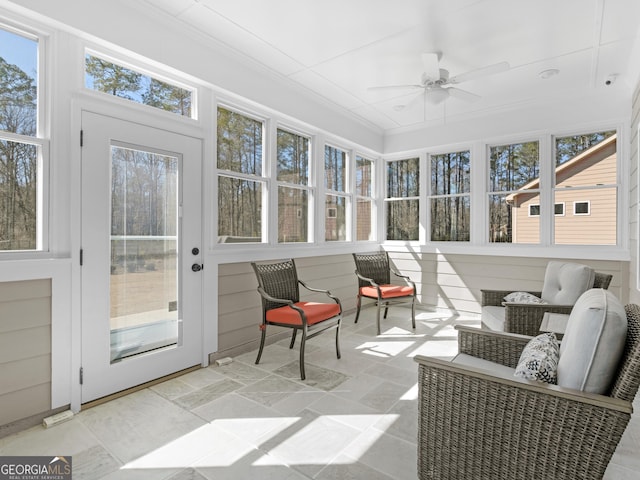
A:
113	79
569	147
168	97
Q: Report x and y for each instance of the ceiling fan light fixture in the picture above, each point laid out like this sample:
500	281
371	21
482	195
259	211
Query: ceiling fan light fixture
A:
436	95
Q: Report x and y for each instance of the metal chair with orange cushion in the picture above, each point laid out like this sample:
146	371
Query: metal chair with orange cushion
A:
374	281
279	287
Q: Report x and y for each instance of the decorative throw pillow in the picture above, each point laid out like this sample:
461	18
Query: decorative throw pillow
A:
522	297
539	359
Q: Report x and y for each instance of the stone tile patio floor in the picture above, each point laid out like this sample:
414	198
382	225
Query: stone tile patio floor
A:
353	418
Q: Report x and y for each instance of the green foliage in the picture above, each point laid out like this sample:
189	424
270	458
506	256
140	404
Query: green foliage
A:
119	81
113	79
569	147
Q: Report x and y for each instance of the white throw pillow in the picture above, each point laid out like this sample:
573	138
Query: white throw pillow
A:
593	342
522	297
539	359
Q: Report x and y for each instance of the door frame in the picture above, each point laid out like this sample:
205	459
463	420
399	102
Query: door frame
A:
208	342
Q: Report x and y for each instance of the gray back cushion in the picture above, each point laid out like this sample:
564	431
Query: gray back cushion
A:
565	282
593	342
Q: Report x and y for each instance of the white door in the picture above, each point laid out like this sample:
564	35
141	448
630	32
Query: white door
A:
141	254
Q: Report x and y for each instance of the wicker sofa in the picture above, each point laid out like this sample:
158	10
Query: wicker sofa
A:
474	424
525	318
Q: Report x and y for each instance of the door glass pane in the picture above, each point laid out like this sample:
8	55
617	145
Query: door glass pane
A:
144	246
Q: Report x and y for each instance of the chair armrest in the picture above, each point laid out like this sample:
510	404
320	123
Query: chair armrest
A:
496	297
525	318
539	388
405	277
366	279
320	290
500	347
471	423
266	296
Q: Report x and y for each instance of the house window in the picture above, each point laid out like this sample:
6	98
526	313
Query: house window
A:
514	182
581	208
293	186
402	201
335	181
364	199
115	79
534	210
22	146
240	183
450	199
586	177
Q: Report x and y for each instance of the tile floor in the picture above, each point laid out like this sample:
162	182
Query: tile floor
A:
353	418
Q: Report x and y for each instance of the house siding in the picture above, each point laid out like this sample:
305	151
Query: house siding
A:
25	349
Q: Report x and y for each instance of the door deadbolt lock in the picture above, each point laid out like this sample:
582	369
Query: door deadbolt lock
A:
196	267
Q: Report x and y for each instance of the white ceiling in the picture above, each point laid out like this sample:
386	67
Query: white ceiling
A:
339	48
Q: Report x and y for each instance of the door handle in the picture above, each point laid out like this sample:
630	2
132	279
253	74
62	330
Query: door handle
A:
196	267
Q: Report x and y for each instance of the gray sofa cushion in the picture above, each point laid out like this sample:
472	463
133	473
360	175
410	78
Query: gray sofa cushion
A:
565	282
593	342
493	318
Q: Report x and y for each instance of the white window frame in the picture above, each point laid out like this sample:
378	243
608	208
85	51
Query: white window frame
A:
582	202
219	172
310	187
144	69
371	199
41	141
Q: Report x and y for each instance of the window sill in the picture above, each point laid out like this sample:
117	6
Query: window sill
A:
577	252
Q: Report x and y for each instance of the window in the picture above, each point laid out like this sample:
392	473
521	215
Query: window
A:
513	184
402	202
21	144
586	176
364	199
293	186
450	197
581	208
240	184
114	79
335	181
534	209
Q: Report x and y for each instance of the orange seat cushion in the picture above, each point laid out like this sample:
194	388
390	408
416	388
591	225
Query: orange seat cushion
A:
315	313
387	291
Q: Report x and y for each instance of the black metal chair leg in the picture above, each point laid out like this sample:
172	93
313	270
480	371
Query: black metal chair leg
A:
378	318
263	328
302	342
293	338
413	313
357	309
386	310
338	341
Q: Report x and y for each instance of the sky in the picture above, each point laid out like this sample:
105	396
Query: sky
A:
19	51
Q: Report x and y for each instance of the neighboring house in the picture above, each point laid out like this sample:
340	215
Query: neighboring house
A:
585	209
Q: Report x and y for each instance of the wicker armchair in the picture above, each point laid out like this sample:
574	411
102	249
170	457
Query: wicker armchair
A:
525	319
473	425
279	287
374	281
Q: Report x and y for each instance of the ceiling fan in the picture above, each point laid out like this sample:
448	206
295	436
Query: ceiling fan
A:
437	83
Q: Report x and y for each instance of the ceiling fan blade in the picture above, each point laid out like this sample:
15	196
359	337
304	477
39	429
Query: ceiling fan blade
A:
480	72
396	87
463	94
431	65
